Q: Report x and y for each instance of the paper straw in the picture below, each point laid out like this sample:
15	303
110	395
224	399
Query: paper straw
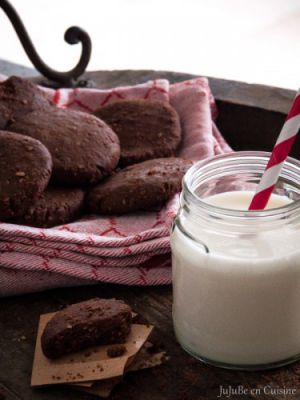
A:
279	154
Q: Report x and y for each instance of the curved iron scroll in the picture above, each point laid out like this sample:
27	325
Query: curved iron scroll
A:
73	35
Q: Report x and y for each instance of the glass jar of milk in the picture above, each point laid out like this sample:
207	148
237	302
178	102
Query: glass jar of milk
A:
236	273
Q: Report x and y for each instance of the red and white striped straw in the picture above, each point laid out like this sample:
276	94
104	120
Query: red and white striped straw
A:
279	154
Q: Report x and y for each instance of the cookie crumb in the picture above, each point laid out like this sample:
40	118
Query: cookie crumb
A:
116	351
99	366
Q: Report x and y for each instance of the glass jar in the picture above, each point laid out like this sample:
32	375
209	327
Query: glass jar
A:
236	273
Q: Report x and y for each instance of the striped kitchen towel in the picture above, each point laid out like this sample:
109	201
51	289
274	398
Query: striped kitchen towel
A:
131	249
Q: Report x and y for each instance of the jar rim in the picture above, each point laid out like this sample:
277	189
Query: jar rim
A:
222	211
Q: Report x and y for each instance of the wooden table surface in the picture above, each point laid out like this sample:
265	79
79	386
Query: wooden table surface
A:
181	378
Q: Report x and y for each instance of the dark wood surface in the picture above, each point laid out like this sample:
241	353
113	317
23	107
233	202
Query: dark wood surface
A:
244	121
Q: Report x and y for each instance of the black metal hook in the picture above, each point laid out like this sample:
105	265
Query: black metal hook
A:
73	35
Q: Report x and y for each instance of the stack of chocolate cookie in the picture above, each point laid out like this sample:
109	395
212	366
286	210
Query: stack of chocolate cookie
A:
57	163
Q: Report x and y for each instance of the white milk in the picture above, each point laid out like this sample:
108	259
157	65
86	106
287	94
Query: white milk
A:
240	303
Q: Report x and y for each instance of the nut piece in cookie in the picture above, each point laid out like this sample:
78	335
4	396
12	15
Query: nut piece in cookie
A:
83	148
56	206
139	187
85	324
25	169
146	129
18	97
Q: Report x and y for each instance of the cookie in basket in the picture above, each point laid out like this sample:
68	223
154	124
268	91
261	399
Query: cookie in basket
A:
25	169
18	97
146	129
139	187
56	206
83	148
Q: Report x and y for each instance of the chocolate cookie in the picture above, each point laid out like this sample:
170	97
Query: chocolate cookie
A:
25	169
146	129
85	324
56	206
18	97
83	148
139	187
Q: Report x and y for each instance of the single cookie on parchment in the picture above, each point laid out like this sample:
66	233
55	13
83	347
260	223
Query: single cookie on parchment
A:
146	129
18	96
139	187
56	206
83	148
89	323
25	169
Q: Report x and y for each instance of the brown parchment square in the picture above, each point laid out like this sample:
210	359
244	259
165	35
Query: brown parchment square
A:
92	364
142	360
104	388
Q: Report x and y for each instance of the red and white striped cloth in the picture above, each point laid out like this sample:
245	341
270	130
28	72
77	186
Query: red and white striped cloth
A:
132	249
